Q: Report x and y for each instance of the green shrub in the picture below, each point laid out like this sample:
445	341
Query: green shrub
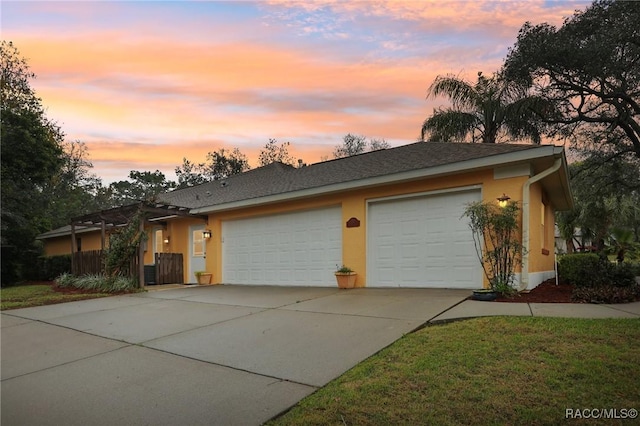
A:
50	267
591	270
65	280
584	269
635	269
607	294
98	282
623	275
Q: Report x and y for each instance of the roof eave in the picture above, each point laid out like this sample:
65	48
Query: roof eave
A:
445	169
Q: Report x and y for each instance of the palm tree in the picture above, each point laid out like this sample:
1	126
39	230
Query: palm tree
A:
485	111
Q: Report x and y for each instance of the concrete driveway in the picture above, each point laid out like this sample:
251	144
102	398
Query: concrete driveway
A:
198	355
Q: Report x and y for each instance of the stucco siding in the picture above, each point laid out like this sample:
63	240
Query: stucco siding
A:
354	204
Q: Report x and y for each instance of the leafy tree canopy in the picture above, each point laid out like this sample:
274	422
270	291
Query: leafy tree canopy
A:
488	111
589	69
357	144
273	152
141	186
31	152
74	190
219	165
607	202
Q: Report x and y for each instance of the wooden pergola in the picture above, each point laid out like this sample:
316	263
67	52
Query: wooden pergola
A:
120	216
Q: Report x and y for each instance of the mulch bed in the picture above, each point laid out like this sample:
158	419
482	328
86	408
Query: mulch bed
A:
547	292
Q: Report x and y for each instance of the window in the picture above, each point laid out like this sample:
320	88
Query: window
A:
158	240
198	244
78	244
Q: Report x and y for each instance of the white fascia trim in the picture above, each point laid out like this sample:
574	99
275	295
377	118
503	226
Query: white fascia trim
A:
462	166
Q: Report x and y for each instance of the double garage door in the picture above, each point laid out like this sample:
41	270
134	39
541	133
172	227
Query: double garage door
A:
411	242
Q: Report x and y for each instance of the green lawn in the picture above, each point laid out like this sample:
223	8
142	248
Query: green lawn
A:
25	296
500	370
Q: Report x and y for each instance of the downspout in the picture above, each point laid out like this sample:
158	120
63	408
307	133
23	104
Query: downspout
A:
526	242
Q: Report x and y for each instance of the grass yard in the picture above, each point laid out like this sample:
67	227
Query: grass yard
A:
25	296
500	370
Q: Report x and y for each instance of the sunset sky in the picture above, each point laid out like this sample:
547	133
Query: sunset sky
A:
145	84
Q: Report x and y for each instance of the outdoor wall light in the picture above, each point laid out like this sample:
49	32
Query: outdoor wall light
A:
207	234
504	200
166	240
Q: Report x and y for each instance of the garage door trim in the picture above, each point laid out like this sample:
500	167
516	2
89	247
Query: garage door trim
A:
424	194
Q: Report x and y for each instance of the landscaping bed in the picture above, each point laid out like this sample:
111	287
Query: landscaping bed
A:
546	292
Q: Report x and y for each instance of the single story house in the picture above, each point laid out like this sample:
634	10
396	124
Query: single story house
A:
394	216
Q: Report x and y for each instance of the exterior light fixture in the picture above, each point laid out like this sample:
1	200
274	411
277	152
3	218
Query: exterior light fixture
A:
206	234
503	200
166	240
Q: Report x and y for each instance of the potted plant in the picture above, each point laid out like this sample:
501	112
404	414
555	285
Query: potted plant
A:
485	294
203	277
497	245
345	277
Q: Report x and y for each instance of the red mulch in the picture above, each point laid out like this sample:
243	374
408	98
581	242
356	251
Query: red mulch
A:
547	292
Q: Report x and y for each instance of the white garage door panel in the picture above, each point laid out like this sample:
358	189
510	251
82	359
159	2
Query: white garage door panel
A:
300	248
422	242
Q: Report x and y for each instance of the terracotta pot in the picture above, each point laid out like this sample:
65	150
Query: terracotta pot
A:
204	278
346	279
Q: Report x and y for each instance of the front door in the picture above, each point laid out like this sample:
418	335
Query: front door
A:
197	251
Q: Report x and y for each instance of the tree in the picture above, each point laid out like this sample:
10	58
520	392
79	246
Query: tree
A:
607	203
142	186
351	145
495	236
377	144
30	153
74	190
487	111
273	152
190	174
219	165
357	144
589	69
223	163
16	93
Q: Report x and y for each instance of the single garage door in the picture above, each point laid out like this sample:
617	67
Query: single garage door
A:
301	248
422	242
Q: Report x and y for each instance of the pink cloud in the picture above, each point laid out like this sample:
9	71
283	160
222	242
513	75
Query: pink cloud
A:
141	96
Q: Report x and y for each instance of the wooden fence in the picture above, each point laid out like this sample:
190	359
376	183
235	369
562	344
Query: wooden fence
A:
169	268
86	262
92	262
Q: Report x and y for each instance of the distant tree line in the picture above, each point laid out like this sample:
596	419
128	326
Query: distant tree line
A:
47	180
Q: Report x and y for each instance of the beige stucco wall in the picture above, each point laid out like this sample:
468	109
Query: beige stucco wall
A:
542	243
354	204
62	245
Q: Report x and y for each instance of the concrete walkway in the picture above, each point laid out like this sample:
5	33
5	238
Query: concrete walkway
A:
473	308
213	355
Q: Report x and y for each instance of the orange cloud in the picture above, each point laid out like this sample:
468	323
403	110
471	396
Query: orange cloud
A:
144	96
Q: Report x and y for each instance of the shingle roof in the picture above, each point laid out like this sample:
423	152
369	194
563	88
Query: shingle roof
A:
278	178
